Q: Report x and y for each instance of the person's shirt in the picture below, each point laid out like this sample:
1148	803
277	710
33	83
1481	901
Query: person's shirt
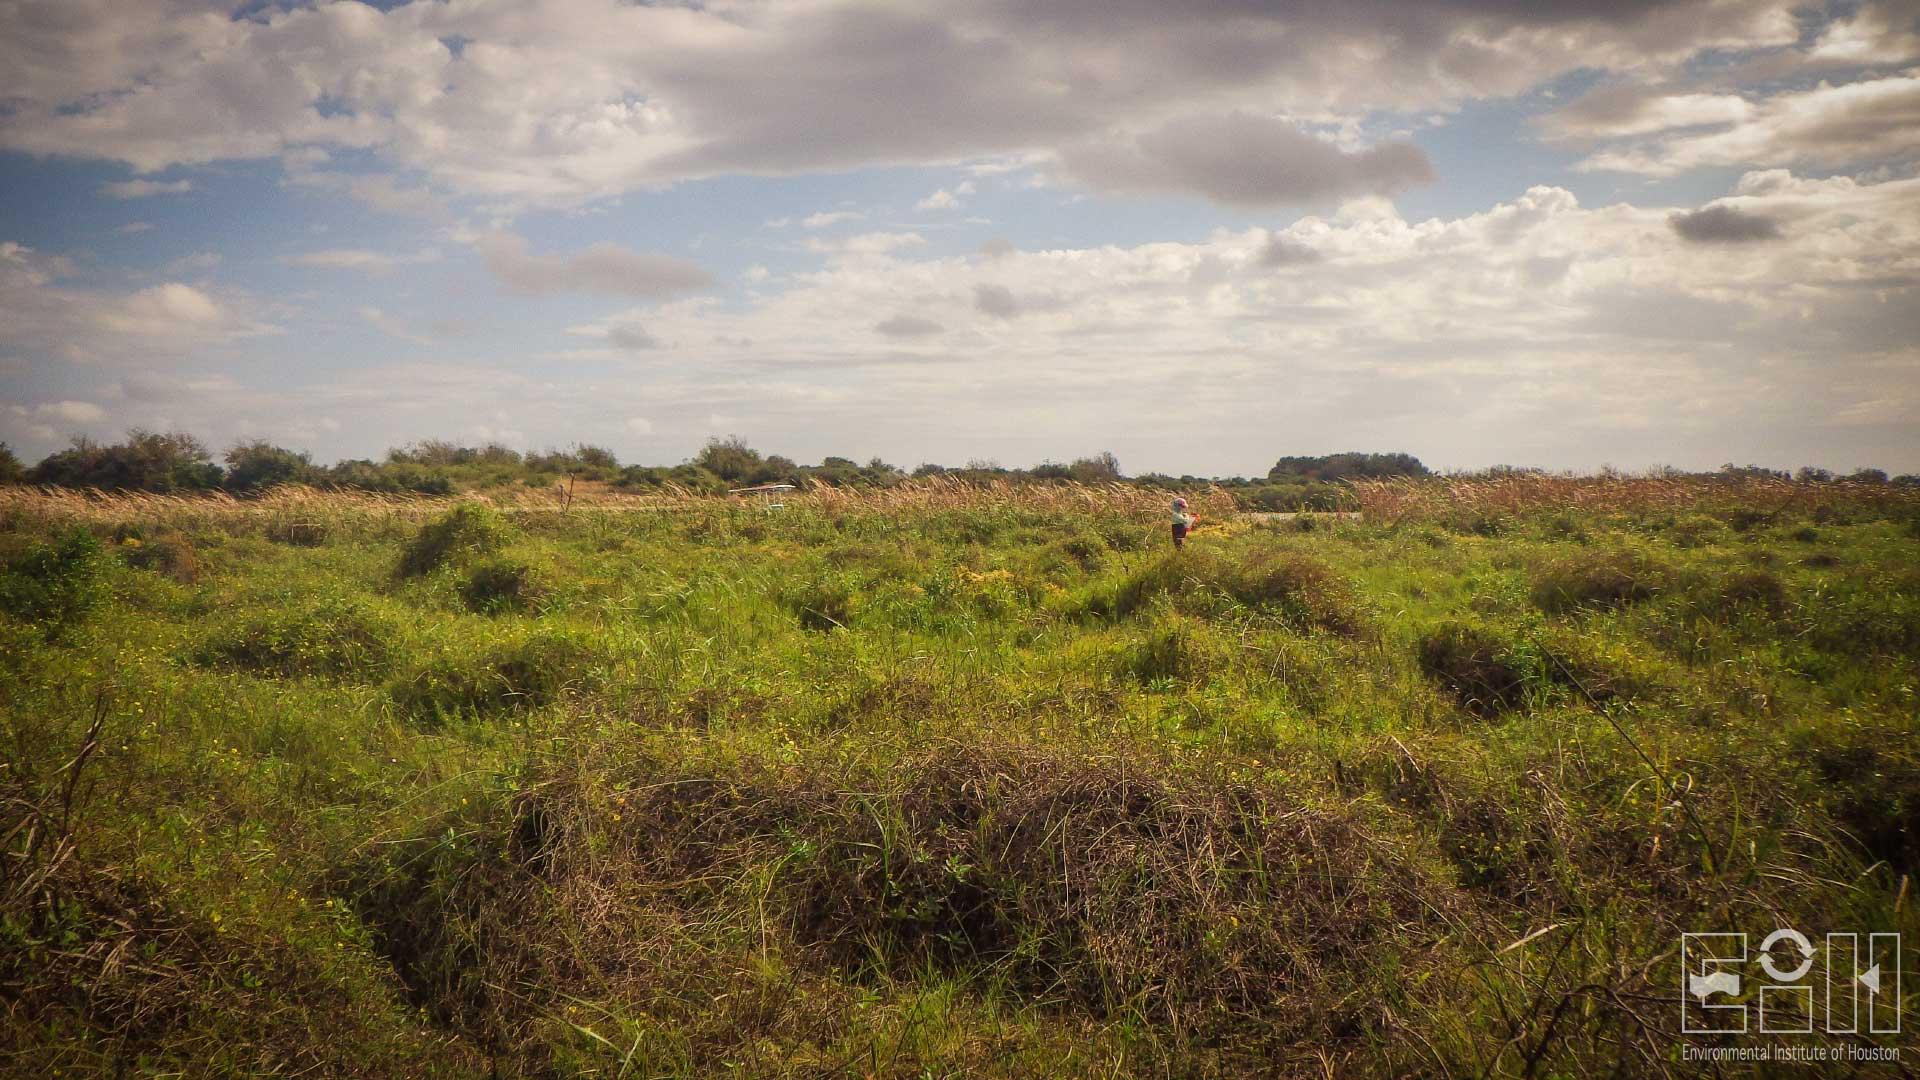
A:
1181	517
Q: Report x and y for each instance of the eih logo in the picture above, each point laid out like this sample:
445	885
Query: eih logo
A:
1861	984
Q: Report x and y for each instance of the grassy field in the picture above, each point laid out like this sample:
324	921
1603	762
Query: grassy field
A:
938	781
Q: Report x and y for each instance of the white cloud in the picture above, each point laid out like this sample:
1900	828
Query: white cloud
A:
639	425
943	199
391	326
1626	109
72	412
1874	120
132	227
361	259
142	189
826	218
48	318
601	268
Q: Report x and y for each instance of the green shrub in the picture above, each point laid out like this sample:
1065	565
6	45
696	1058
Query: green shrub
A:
503	585
1601	579
467	530
823	603
54	584
1172	650
335	637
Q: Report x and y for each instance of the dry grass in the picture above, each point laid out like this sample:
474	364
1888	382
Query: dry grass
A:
293	513
1442	497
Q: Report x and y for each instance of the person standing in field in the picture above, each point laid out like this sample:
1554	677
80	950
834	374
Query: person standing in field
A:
1183	522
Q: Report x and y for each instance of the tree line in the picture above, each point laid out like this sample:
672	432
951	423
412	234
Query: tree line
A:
174	462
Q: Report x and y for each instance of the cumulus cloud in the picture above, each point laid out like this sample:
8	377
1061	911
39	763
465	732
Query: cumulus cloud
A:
1285	251
944	199
1537	318
47	316
602	268
142	189
995	300
1244	160
566	100
1723	225
908	326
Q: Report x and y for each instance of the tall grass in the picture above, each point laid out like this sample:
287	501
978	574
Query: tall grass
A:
938	780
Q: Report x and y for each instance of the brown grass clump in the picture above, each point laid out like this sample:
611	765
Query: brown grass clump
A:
169	554
1204	907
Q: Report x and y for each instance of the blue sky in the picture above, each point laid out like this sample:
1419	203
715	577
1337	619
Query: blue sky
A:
1631	234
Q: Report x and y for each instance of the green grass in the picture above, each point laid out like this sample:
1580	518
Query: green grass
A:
992	791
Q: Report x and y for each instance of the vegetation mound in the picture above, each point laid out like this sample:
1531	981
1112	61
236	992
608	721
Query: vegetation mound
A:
467	530
335	637
1606	579
1114	885
1300	589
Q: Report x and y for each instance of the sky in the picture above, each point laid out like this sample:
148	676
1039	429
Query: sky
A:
1200	235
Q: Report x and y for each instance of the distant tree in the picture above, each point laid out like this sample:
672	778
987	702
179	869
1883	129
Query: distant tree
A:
147	461
1808	474
1907	480
1750	472
258	465
390	476
730	459
1868	476
775	469
1350	466
11	471
1050	470
1102	468
596	457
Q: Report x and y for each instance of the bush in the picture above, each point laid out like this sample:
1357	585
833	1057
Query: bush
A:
147	461
467	530
1476	666
1172	650
500	585
824	603
524	675
11	471
255	466
1598	580
335	638
54	585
